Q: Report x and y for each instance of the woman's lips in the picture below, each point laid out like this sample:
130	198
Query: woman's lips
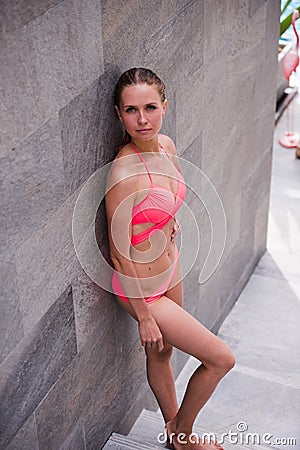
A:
144	130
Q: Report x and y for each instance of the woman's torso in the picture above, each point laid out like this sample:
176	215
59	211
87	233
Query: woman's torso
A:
155	255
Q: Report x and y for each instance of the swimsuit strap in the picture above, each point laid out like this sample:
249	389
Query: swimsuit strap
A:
142	159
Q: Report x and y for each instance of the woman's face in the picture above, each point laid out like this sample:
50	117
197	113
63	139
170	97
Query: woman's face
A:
141	111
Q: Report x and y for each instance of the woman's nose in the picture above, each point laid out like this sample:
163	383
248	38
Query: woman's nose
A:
141	118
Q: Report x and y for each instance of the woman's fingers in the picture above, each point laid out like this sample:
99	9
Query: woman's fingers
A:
150	334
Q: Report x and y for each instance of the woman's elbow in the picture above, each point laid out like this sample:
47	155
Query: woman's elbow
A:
118	261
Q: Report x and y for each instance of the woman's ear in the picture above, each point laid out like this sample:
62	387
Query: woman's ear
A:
165	104
119	114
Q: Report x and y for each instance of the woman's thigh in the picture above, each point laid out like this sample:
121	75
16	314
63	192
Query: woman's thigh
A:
186	333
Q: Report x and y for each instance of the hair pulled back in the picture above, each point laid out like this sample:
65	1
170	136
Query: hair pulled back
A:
138	75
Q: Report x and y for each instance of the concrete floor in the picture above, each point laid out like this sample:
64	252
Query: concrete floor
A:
262	393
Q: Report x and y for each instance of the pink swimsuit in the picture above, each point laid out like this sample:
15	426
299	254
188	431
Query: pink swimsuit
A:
159	206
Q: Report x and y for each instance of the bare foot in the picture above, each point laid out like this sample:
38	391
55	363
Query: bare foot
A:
186	441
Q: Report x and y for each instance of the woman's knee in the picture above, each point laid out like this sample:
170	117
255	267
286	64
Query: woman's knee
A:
223	362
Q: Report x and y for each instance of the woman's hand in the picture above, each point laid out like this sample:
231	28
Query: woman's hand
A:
175	230
150	334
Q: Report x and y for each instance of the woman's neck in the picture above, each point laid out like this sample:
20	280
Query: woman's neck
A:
147	146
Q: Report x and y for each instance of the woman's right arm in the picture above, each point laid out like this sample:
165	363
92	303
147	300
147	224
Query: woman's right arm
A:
119	201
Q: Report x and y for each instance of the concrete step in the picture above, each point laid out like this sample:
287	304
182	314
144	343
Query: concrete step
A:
149	427
120	442
148	434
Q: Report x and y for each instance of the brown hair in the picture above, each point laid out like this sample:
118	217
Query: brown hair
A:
138	75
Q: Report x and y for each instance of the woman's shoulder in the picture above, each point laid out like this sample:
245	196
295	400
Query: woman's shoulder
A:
123	170
168	143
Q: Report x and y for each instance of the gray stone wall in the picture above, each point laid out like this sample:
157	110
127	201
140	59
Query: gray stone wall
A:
72	368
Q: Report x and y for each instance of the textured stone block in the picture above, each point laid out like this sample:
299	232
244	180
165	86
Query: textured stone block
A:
222	25
35	365
164	48
126	24
91	132
261	225
94	311
26	438
209	302
193	153
121	392
17	14
33	185
75	441
235	269
95	388
46	263
46	64
233	223
254	193
143	399
11	328
169	123
254	6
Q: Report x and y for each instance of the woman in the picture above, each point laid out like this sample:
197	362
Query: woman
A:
145	188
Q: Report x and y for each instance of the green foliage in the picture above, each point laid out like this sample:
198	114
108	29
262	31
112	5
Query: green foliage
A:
285	23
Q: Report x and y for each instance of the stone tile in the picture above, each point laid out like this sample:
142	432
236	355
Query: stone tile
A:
233	222
169	123
93	389
232	275
255	201
75	441
46	263
271	30
36	364
120	394
26	438
94	311
263	302
11	328
163	48
224	21
181	4
121	33
188	130
193	153
255	6
20	115
144	399
267	267
18	14
288	264
90	131
264	413
284	222
209	302
46	64
32	184
261	225
193	252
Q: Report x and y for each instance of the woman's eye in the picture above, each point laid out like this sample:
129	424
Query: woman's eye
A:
151	107
130	109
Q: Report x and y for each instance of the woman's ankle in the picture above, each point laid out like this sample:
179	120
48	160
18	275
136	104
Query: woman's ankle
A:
177	426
